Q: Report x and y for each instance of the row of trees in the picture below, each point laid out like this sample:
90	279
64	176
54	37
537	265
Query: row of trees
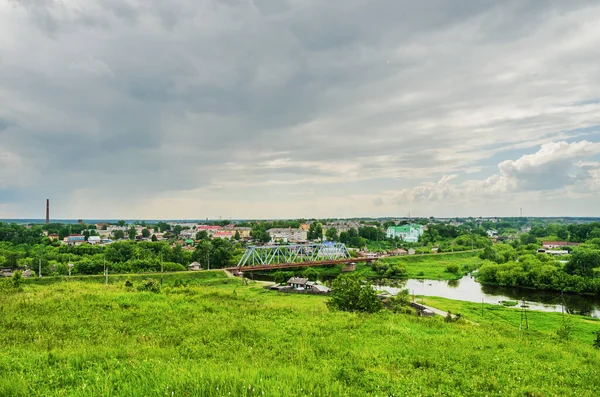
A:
510	266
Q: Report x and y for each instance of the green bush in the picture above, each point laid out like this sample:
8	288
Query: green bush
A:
150	285
350	293
454	269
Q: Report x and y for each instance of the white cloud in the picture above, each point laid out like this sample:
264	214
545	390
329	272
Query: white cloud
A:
232	101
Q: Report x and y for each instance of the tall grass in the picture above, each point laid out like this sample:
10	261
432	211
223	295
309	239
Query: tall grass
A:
217	337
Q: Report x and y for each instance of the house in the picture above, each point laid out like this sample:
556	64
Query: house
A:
75	239
94	240
26	273
409	233
319	289
398	252
558	244
297	282
411	251
54	237
223	234
288	234
6	272
557	252
210	229
195	266
244	232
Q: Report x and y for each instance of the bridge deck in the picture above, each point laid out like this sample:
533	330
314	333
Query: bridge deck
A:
298	264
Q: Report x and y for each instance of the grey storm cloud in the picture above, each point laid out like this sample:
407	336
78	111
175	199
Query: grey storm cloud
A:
146	98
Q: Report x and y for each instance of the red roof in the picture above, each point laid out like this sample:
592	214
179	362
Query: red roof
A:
207	227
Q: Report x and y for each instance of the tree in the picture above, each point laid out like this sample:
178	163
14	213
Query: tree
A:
583	262
177	229
527	238
260	235
154	238
121	223
310	273
202	235
344	237
118	234
350	293
145	233
131	233
331	234
315	231
237	236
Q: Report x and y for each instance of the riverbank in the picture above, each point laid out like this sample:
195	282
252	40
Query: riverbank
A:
583	328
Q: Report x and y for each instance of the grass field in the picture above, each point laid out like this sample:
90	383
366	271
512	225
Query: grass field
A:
584	329
217	337
433	266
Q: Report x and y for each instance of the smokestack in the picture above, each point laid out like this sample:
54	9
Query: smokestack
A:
47	211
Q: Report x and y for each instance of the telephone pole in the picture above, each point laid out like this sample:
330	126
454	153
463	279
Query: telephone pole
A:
40	267
523	315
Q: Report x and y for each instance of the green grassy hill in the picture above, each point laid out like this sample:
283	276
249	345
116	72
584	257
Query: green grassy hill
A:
217	337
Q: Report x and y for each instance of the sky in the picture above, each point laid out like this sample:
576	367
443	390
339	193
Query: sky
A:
246	109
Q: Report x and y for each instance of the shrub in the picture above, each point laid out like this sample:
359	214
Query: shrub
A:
17	279
597	341
150	285
454	269
350	293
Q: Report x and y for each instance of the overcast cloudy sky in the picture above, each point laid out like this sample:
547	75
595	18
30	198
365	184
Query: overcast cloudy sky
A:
190	109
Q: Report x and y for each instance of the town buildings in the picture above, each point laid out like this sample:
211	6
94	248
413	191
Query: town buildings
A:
291	235
408	233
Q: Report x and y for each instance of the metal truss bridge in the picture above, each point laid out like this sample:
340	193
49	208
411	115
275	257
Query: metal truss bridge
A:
300	255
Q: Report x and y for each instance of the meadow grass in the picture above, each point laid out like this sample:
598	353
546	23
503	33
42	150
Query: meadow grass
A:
584	328
433	267
218	337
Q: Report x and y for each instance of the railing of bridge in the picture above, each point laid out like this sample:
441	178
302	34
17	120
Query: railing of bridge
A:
296	253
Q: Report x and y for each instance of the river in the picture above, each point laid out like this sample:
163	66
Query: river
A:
467	289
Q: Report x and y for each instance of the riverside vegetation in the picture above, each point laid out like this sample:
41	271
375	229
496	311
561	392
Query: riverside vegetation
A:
204	334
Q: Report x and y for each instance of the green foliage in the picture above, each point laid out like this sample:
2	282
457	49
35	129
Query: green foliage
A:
350	293
315	231
543	272
16	279
310	273
454	269
582	262
150	285
331	234
145	233
596	343
565	332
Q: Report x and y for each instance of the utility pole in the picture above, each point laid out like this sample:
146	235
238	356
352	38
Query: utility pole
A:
208	260
523	315
105	271
40	267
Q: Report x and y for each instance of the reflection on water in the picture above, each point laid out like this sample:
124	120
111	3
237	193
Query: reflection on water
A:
467	289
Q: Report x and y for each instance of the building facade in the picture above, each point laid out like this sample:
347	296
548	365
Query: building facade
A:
408	233
288	234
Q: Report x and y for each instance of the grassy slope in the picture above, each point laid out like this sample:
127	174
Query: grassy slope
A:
219	338
433	266
583	328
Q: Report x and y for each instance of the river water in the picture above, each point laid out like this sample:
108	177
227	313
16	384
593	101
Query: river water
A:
467	289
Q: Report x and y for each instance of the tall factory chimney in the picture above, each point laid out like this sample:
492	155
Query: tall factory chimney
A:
47	211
